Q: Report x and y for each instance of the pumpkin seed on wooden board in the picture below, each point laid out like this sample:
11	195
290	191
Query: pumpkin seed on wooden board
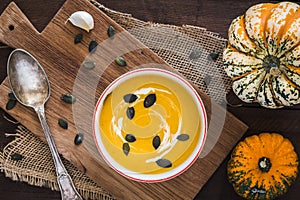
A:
63	123
68	98
121	61
110	31
93	46
89	64
78	38
12	96
126	148
164	163
12	101
11	104
78	139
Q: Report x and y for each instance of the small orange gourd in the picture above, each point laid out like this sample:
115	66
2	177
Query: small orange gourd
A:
263	166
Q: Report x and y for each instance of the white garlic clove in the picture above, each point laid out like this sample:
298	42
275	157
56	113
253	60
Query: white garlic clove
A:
82	19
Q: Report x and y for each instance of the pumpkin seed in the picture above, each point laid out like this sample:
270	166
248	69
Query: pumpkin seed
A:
89	64
111	31
164	163
78	139
207	79
195	54
68	98
121	61
130	138
11	104
93	46
126	148
63	123
183	137
130	98
149	100
130	112
16	156
156	142
213	56
78	38
12	96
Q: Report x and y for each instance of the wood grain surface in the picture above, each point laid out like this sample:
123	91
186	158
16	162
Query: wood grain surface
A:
54	48
216	16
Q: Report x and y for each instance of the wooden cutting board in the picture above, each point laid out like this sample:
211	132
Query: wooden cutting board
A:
54	48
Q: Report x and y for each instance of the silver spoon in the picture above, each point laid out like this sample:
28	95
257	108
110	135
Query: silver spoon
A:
31	87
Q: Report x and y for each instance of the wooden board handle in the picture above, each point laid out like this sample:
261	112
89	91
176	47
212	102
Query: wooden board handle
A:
15	28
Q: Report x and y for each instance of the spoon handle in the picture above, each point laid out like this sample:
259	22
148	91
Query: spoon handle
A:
67	188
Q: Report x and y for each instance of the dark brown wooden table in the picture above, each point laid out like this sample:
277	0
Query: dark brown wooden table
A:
215	15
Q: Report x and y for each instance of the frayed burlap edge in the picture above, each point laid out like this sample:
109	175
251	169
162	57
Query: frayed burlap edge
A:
36	166
174	44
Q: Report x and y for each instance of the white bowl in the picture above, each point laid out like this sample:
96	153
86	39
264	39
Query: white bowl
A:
113	153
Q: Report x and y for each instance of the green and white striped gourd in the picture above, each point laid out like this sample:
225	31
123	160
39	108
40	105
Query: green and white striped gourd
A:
263	55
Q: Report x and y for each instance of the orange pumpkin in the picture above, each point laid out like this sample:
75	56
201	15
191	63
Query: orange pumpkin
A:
263	166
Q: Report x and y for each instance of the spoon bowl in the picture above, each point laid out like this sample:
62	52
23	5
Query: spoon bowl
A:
31	87
28	79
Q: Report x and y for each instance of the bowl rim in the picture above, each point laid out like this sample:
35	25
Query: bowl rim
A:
151	178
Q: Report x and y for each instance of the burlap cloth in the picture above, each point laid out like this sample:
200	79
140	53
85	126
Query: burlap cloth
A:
186	48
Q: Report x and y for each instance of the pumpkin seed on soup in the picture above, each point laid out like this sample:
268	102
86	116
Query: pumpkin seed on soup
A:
156	142
130	138
93	46
164	163
68	98
78	38
213	56
63	123
130	112
130	98
149	100
78	139
126	148
110	31
121	61
183	137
